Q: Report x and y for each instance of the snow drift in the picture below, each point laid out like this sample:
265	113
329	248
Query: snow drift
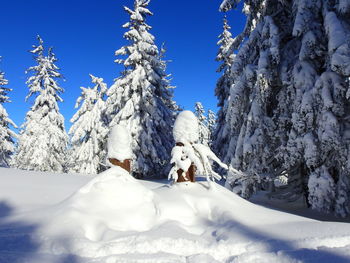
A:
115	218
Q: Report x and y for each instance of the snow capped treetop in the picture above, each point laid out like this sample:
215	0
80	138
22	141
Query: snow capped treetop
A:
119	143
225	53
43	79
186	128
3	90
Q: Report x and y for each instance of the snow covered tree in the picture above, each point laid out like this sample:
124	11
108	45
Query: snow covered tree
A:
89	130
42	142
7	136
141	98
202	124
225	56
189	151
289	105
211	125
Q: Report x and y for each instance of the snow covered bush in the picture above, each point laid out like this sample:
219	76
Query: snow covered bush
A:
141	98
187	151
7	136
89	130
288	108
42	142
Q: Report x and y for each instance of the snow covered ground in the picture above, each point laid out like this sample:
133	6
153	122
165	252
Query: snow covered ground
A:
112	218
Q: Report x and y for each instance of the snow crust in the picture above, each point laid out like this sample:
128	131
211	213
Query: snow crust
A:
115	218
186	128
119	143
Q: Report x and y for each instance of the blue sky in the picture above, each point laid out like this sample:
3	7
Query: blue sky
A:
85	35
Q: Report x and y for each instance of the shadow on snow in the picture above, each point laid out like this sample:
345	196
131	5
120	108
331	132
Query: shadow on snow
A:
18	242
278	247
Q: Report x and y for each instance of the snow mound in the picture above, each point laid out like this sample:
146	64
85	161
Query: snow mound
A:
112	201
186	128
114	218
119	143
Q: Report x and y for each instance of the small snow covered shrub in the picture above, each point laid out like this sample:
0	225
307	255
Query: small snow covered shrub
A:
188	152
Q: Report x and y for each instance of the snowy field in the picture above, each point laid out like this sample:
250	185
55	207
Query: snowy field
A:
53	218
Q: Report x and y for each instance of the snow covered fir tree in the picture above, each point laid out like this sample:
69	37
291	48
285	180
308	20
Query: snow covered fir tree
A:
225	56
7	136
203	129
288	109
89	130
42	142
141	98
212	124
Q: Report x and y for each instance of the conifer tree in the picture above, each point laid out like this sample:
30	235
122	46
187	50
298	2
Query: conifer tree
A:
225	56
203	130
89	130
289	104
7	136
42	142
141	98
211	125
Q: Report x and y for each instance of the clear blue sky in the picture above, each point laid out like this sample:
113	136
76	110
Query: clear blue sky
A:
86	33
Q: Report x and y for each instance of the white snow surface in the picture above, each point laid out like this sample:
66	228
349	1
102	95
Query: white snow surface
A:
186	128
119	143
115	218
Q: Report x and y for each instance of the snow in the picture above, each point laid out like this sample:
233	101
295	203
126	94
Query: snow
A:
186	128
116	218
119	143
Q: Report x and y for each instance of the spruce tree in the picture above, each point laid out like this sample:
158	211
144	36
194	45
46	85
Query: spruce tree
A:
42	142
203	130
225	56
291	76
211	125
141	98
7	136
89	130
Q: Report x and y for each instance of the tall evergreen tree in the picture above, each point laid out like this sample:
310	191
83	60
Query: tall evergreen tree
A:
291	76
89	130
7	136
211	125
141	98
203	131
225	56
42	142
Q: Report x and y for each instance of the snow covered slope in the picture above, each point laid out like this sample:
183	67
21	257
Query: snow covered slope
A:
115	218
